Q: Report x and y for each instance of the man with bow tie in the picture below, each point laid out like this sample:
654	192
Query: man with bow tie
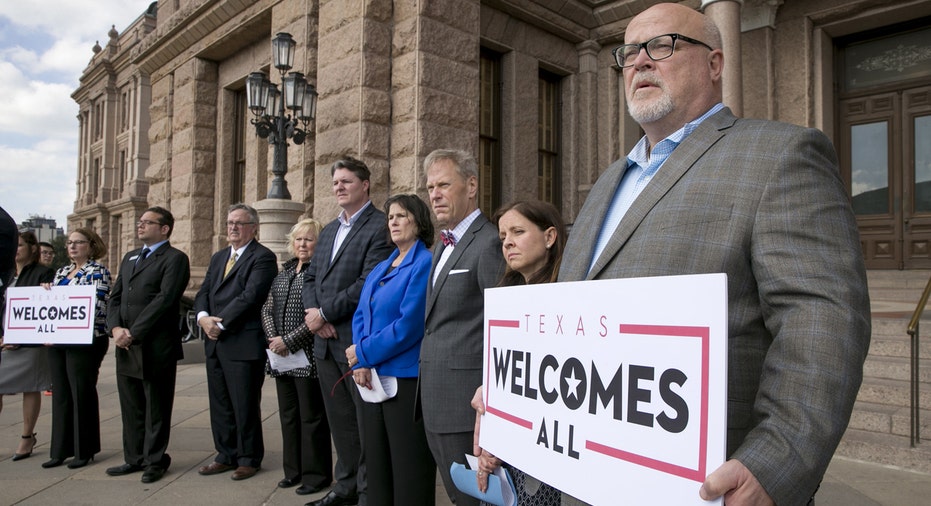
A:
143	317
468	261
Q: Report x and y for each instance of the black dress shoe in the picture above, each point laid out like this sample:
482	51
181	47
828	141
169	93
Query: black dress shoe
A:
79	463
53	463
332	499
307	490
124	469
153	474
289	482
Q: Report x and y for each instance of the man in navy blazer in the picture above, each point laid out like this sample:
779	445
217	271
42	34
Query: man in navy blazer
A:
468	261
228	306
348	249
143	318
762	202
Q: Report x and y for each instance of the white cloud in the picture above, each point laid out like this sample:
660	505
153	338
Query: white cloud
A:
77	19
44	48
39	180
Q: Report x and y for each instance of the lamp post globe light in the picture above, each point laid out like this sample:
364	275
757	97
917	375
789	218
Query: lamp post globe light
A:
268	105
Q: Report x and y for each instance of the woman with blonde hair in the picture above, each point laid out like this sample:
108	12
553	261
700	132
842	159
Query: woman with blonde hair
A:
75	367
305	434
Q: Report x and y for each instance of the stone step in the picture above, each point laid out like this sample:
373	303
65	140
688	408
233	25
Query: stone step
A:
899	347
896	368
886	449
892	392
886	419
911	279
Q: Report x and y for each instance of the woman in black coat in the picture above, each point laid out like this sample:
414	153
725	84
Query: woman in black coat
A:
24	369
305	434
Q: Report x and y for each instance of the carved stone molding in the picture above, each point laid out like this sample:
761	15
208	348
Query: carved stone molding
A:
758	14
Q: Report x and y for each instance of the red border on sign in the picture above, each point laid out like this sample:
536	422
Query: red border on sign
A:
703	333
697	473
504	415
87	303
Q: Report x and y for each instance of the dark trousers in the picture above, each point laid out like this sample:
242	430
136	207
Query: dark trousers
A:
305	432
400	465
342	411
75	407
448	448
146	407
235	392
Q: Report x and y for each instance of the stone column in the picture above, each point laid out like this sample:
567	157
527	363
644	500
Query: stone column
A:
276	217
726	14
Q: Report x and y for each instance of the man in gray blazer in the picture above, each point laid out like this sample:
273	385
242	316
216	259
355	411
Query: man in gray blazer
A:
762	202
142	316
465	263
348	248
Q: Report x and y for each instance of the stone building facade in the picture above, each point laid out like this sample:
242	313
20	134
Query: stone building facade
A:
528	85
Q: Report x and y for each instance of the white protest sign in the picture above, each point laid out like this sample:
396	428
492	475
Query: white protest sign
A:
612	391
62	315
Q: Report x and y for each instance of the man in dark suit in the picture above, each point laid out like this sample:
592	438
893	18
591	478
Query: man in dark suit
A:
228	307
762	202
143	317
468	261
348	248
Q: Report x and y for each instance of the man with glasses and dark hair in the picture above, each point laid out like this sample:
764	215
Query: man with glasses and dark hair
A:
142	318
46	254
228	307
763	202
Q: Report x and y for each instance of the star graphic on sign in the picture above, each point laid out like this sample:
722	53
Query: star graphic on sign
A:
573	383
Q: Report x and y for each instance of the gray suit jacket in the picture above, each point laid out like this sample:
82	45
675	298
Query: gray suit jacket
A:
334	286
762	202
451	353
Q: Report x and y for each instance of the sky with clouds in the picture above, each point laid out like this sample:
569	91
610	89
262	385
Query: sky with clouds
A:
45	45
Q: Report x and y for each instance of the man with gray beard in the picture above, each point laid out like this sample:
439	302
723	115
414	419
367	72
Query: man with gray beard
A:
763	202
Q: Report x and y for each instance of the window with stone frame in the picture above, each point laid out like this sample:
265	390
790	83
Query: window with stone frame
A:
548	114
238	170
489	142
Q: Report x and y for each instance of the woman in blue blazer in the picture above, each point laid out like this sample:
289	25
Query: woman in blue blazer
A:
387	330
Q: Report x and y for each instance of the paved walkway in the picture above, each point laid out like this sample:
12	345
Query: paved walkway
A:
847	483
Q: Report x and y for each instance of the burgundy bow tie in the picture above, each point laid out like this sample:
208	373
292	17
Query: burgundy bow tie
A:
448	238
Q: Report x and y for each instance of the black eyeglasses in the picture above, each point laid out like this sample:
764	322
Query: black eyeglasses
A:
145	223
658	48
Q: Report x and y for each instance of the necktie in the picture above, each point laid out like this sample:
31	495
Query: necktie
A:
229	265
142	256
448	238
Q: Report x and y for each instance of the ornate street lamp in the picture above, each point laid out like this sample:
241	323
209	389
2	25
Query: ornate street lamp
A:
268	105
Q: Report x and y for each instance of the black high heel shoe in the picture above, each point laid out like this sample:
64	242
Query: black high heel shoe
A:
78	463
21	456
53	463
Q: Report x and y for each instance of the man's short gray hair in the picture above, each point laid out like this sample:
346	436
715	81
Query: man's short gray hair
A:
463	160
253	214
